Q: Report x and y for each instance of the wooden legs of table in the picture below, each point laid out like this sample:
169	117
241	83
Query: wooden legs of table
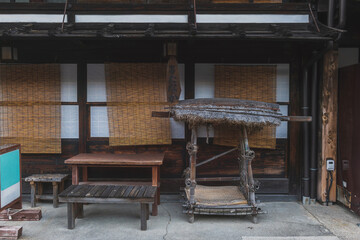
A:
74	210
33	194
144	215
55	194
156	183
80	210
75	175
39	194
71	213
147	211
85	174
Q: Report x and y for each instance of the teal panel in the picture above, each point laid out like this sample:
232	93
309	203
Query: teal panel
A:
9	169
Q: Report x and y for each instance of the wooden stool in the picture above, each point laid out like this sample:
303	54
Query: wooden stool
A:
57	181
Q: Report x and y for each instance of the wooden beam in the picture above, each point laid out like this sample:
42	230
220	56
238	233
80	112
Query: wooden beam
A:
329	124
10	232
82	98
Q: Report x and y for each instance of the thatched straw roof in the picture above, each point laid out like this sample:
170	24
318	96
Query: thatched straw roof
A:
227	111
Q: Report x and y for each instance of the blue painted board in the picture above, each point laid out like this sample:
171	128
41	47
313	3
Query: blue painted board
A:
9	169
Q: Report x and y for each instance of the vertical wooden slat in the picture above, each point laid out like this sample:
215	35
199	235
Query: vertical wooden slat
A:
329	124
82	98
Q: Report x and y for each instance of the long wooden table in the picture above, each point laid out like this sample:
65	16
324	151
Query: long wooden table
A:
142	160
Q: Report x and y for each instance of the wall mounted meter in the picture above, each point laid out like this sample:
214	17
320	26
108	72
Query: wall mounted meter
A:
330	164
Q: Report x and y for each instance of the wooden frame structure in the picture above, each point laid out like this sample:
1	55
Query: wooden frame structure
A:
247	183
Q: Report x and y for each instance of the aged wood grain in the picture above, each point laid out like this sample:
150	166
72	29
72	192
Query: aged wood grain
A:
329	124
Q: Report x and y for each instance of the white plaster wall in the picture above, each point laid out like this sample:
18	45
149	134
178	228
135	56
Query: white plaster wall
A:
69	113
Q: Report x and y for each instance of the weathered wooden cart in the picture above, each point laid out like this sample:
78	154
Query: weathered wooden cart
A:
243	116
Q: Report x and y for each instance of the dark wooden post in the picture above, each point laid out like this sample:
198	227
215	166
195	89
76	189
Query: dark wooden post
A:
71	215
143	216
55	194
155	183
329	124
33	194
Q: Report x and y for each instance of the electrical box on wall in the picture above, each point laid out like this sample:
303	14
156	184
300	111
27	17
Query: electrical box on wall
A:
330	164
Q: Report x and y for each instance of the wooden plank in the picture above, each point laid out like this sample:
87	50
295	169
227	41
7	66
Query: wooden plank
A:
141	159
106	200
10	232
100	191
8	148
68	190
73	191
93	190
122	191
329	124
141	191
134	192
46	178
127	192
114	191
150	192
160	114
107	191
22	215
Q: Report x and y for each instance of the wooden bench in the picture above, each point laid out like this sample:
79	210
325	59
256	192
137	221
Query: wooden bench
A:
76	195
99	160
57	181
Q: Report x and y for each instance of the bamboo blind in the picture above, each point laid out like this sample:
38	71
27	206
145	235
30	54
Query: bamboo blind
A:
133	91
250	83
30	109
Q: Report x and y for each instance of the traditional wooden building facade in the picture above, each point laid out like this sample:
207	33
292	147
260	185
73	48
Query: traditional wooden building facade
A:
74	44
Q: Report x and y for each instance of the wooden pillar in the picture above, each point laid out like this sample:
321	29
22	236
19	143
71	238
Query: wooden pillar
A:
82	98
329	110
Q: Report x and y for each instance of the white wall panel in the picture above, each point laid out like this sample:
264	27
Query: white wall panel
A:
96	90
252	18
69	121
68	82
99	122
32	18
133	18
